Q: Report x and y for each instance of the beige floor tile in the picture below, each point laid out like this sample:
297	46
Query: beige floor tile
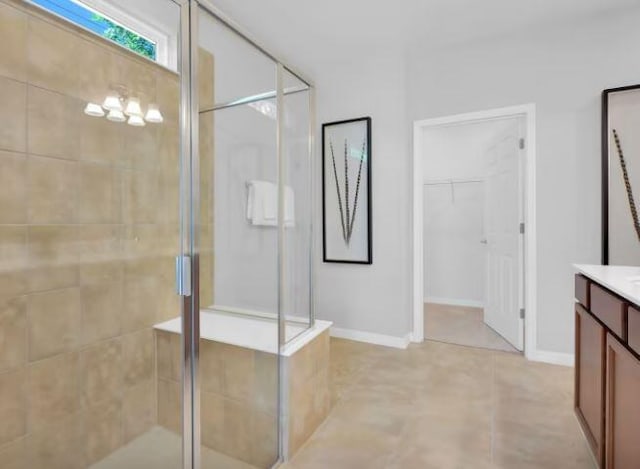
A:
444	406
453	441
518	377
346	445
462	326
161	449
383	415
541	450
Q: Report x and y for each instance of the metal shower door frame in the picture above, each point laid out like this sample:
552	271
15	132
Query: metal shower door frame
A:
187	266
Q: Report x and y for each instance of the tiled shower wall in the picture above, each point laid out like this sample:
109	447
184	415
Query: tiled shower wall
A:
88	231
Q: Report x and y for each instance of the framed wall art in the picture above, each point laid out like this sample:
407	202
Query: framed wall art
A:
621	175
346	191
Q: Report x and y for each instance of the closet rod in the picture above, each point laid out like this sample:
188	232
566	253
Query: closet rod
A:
452	181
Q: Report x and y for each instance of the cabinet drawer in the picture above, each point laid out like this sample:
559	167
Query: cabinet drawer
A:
633	328
608	308
582	290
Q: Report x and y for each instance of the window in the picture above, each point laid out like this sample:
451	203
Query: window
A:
107	21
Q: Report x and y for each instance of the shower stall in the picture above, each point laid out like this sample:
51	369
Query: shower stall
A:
156	241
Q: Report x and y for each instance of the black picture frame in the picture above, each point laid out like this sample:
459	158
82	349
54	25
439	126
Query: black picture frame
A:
605	165
326	127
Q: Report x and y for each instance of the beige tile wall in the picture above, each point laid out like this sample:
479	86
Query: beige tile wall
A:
206	147
88	231
309	396
239	396
239	392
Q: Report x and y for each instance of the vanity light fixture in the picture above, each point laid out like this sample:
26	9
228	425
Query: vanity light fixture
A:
116	116
112	103
133	107
153	114
120	106
136	121
94	110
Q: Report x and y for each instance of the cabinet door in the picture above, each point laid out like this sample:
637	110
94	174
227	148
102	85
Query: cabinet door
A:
590	382
623	407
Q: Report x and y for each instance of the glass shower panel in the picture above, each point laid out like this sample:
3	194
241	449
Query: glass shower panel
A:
89	226
238	250
296	160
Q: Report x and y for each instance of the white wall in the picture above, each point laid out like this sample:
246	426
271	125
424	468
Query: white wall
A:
458	151
563	71
454	258
370	298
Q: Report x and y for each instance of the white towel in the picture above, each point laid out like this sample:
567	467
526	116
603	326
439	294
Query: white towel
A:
289	208
262	204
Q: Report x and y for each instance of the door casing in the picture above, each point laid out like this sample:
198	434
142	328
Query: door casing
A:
528	113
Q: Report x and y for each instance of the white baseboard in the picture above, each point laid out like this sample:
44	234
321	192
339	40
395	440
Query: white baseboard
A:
454	302
371	337
554	358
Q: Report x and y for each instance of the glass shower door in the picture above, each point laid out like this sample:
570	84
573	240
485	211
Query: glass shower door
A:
238	272
89	228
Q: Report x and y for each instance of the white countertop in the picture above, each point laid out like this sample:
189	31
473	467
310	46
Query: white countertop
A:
620	279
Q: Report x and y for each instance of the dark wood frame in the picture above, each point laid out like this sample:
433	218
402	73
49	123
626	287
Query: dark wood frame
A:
369	259
605	166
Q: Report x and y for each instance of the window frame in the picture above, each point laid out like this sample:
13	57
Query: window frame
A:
165	43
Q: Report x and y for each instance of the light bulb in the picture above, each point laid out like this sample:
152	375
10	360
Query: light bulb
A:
112	103
153	114
133	107
136	121
116	116
94	110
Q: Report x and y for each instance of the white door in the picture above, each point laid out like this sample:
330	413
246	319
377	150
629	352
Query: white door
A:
503	214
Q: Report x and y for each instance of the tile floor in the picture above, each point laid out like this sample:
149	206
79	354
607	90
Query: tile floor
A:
433	406
445	406
161	449
461	325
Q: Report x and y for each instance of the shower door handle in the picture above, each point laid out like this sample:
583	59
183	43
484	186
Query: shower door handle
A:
183	275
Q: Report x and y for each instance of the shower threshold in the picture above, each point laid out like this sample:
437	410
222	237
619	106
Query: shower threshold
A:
159	448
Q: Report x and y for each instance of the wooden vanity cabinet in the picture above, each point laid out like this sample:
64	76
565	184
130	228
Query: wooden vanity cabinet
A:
622	407
590	379
607	373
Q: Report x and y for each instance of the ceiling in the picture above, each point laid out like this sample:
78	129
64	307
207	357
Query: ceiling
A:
308	31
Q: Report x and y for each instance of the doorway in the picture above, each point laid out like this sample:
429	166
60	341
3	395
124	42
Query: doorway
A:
474	228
